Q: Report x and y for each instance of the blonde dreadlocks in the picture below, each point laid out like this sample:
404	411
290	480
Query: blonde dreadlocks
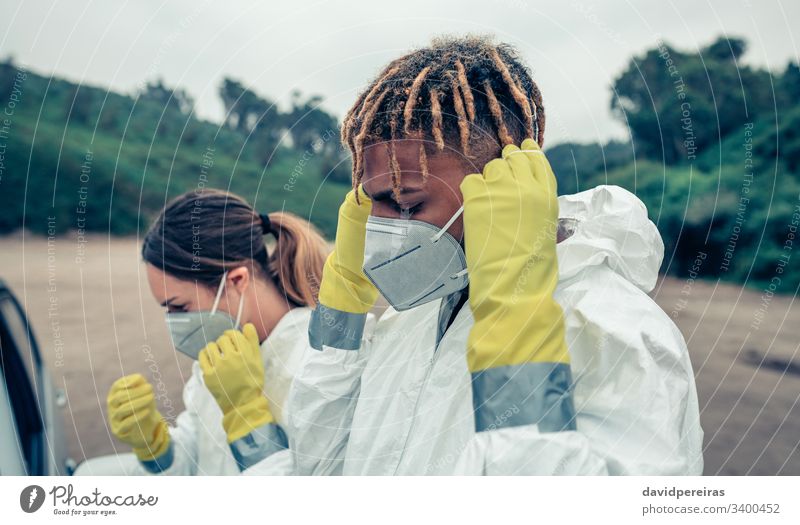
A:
467	94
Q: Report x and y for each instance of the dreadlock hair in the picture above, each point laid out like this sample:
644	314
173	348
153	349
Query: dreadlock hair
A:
466	94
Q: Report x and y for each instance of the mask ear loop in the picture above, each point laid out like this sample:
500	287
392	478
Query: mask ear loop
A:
219	293
219	296
239	315
441	232
460	274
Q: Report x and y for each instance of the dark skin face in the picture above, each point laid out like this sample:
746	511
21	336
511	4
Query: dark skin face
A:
434	201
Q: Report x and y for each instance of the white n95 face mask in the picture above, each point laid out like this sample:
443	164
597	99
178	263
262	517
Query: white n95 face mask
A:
192	331
413	262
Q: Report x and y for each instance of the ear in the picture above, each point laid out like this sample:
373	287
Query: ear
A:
239	278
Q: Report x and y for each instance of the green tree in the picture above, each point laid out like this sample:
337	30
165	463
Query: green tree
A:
678	103
170	99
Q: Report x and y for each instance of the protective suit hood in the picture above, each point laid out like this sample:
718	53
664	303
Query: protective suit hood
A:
613	230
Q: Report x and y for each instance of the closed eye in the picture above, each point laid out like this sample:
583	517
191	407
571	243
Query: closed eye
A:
173	308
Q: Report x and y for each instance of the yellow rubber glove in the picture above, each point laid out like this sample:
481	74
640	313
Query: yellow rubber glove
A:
234	374
344	285
135	419
510	222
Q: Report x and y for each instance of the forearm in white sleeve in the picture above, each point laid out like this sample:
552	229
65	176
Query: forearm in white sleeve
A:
324	394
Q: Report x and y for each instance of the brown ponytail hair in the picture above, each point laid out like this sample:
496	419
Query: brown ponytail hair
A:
201	234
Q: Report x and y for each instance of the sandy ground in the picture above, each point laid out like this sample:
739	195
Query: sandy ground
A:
104	324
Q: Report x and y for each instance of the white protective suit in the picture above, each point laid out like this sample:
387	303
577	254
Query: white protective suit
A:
401	404
200	446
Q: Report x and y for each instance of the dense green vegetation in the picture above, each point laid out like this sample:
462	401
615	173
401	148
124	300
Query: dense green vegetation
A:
714	152
100	161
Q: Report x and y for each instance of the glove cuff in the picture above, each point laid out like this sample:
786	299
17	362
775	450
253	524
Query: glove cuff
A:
538	335
158	447
344	290
161	463
241	420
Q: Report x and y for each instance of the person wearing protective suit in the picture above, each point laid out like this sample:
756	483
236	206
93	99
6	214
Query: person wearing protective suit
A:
503	350
242	313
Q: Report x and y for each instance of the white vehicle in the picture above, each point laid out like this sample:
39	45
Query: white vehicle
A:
32	439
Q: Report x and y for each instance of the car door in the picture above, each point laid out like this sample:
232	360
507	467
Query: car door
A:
12	462
28	406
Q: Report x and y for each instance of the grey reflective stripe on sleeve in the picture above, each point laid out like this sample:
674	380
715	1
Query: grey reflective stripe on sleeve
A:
515	395
258	444
161	463
334	328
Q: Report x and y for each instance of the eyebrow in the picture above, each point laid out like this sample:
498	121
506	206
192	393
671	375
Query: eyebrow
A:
168	301
389	194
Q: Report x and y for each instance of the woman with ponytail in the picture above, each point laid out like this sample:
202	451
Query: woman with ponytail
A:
241	310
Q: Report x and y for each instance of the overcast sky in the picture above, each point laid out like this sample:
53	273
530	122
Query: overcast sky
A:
333	48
